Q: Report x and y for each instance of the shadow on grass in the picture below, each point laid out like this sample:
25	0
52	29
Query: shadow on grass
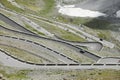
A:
107	23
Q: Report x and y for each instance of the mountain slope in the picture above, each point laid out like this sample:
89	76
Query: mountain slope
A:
106	6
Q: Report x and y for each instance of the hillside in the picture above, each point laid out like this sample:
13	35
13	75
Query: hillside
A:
106	6
59	40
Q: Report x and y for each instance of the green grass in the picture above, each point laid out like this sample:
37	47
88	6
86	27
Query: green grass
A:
63	34
71	20
2	32
98	24
89	22
37	7
19	75
92	74
34	5
99	75
10	6
71	37
33	30
13	74
49	5
21	54
22	74
104	34
57	31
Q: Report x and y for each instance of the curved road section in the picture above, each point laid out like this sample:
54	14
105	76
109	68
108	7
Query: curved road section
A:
14	24
11	61
91	45
109	60
71	28
35	48
95	46
79	50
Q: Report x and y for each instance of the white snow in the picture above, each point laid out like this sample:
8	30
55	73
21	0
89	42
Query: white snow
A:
118	14
70	10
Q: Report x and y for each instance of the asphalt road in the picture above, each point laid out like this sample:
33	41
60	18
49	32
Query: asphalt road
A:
35	48
79	50
75	29
11	61
8	60
109	60
90	45
14	24
86	53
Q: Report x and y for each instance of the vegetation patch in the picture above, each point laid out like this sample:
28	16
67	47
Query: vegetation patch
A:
19	75
33	30
21	54
98	24
93	74
34	5
49	5
10	6
72	20
57	31
89	22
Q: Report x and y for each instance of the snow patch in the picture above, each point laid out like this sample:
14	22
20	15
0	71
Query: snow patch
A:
118	14
71	10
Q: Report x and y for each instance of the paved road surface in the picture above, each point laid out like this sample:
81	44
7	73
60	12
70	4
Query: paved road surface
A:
14	24
90	45
35	48
9	61
86	53
109	60
71	29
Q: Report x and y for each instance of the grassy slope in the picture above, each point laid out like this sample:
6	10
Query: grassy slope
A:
13	74
10	6
49	4
21	54
33	30
57	31
95	74
36	8
34	5
79	74
75	75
